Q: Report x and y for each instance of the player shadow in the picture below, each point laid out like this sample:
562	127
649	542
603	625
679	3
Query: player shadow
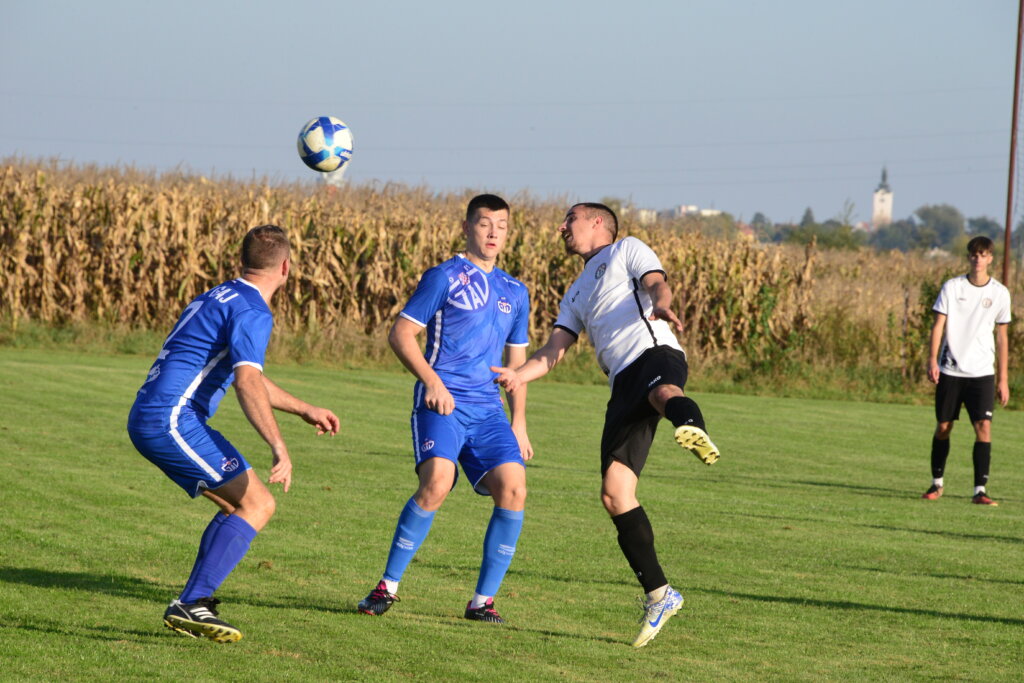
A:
859	606
471	571
110	584
120	586
459	622
876	491
945	534
954	577
111	633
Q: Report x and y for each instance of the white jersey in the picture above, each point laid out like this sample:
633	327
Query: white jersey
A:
610	303
972	313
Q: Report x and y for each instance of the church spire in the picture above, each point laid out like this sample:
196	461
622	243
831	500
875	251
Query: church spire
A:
884	185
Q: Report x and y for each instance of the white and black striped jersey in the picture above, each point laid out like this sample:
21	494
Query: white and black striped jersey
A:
610	303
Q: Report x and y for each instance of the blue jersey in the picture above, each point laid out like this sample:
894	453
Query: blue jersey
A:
221	329
470	316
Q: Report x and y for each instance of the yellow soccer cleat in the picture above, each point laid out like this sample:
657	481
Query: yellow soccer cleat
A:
697	441
656	614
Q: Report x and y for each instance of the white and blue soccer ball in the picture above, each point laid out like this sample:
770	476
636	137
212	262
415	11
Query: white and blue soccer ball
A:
325	144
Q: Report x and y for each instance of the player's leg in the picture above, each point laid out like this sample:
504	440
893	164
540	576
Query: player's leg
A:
947	410
437	476
668	368
225	542
507	485
494	464
436	443
980	402
636	539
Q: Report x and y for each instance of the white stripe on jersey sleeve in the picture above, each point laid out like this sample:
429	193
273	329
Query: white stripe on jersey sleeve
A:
408	317
250	363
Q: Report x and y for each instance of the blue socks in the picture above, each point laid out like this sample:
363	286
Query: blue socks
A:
413	526
223	545
499	547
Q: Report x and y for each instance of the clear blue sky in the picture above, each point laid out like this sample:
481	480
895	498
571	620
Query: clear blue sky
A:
740	105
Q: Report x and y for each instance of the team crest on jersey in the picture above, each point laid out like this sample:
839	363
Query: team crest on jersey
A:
229	464
427	445
986	303
470	291
504	306
600	271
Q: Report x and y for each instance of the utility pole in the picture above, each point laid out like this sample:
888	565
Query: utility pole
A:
1013	147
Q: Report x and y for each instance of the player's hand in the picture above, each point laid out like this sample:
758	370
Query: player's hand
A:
507	379
668	316
933	371
439	399
525	448
281	472
1003	392
324	420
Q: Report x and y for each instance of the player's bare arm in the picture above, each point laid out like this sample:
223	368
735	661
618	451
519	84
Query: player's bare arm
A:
935	344
255	401
402	339
661	300
516	356
325	421
1002	365
539	364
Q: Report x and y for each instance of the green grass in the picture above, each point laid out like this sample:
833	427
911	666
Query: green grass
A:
804	554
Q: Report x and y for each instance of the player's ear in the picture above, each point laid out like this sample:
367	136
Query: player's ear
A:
286	266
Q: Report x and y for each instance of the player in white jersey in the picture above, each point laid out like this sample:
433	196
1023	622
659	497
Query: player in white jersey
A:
965	364
220	338
623	302
472	312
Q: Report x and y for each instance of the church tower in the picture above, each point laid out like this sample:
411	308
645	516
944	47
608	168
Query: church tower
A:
881	204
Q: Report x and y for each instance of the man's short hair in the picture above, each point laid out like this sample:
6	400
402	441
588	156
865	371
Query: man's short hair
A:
491	202
980	243
611	221
264	247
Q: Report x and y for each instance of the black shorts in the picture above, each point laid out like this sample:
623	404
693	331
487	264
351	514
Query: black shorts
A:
978	394
631	420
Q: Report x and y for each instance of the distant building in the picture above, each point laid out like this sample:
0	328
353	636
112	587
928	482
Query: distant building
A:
646	216
694	210
881	203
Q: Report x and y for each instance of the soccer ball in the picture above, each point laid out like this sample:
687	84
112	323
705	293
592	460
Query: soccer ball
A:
325	144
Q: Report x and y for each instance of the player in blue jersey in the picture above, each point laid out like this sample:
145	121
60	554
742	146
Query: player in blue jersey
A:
472	312
220	339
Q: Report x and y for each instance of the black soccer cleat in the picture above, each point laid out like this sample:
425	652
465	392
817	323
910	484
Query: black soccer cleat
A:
484	613
378	601
199	620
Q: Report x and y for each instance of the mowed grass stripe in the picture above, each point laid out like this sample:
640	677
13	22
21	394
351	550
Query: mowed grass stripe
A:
803	554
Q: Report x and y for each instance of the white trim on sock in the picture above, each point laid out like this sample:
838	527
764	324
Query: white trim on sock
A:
392	586
937	482
479	601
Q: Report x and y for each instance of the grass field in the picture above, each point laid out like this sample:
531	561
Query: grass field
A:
804	554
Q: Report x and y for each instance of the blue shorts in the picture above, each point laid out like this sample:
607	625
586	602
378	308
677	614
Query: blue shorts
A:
476	436
193	454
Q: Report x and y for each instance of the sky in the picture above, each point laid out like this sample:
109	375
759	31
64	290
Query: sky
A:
743	106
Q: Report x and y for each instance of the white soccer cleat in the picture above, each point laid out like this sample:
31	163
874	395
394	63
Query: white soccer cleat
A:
697	441
656	614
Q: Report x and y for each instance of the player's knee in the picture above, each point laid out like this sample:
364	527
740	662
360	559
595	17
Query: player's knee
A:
943	430
661	394
983	430
513	497
432	494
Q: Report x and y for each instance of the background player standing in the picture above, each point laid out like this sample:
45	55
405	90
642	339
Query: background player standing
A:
471	311
623	302
220	337
960	362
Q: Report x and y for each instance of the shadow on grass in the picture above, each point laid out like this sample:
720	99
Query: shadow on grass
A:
111	584
859	607
136	589
881	527
955	577
876	491
459	622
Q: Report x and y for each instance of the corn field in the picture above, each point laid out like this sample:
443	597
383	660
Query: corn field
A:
119	246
